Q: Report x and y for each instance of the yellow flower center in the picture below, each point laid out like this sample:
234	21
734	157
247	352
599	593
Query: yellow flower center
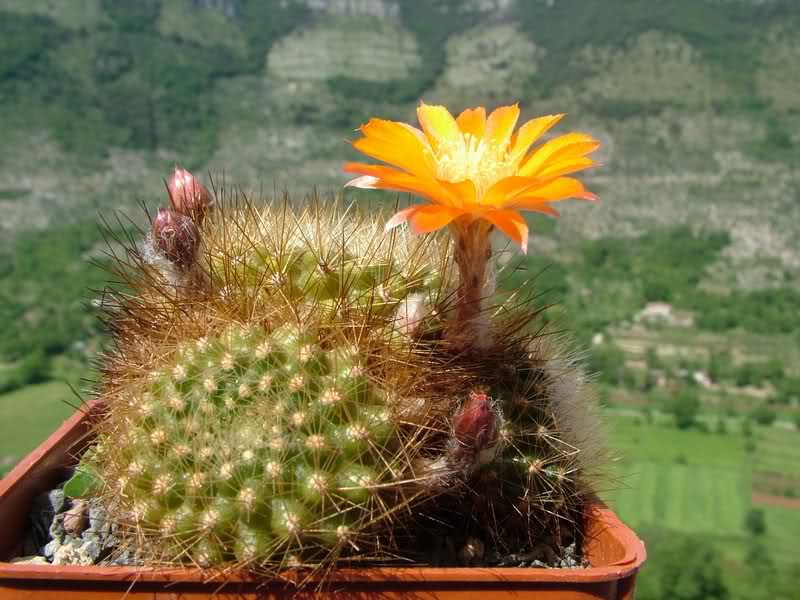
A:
468	157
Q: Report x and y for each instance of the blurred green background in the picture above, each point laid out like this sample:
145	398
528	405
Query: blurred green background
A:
682	285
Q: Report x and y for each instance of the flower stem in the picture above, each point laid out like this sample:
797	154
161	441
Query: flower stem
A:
472	252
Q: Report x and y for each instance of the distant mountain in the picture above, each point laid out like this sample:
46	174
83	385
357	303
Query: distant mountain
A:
697	101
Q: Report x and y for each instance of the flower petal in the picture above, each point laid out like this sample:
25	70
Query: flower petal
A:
504	191
396	144
564	167
571	145
507	191
438	124
432	217
425	218
472	121
500	125
365	182
441	192
463	192
553	191
535	205
530	132
399	217
512	223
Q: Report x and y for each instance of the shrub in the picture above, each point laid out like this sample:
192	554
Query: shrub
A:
755	522
608	362
763	415
685	567
684	407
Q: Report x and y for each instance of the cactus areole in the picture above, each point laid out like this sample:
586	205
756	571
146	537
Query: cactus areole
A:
302	387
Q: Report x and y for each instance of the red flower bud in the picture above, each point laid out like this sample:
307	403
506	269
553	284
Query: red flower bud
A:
176	236
187	195
475	425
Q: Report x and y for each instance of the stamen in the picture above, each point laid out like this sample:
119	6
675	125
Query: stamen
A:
476	160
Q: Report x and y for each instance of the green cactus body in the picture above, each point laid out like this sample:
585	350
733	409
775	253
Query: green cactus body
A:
290	398
261	420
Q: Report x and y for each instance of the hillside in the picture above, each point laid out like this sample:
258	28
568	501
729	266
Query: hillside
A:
695	102
682	284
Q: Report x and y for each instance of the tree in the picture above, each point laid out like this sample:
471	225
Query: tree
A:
608	361
684	407
755	522
759	559
652	359
680	567
763	415
720	365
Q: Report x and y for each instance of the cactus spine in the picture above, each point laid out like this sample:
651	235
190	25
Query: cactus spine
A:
286	389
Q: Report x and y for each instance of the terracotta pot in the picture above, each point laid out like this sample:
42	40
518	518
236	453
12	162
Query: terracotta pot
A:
614	551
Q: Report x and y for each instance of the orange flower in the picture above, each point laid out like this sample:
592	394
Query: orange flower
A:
473	167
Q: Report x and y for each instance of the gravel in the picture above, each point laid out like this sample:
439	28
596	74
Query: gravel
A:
62	531
88	537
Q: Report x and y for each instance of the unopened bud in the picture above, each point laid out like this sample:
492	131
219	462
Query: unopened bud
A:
176	236
475	426
187	195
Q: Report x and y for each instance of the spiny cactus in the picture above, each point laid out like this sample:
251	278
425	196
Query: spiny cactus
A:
249	442
272	414
540	451
283	390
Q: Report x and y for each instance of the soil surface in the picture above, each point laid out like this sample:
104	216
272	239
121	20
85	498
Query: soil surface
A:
780	501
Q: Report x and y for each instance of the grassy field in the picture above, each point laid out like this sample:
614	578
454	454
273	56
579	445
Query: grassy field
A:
664	444
686	481
778	451
28	416
686	498
697	482
783	525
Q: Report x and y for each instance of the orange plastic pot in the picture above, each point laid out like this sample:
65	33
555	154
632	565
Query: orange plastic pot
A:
616	555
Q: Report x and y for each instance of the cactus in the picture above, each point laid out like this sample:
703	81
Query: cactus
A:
248	441
268	411
285	389
540	454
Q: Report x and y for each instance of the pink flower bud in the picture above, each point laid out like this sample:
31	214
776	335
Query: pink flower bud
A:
176	236
187	195
475	425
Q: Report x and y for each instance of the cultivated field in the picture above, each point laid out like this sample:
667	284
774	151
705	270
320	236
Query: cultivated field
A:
696	482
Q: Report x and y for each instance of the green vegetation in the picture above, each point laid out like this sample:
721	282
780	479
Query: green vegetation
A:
34	412
755	522
690	488
141	75
684	407
125	84
764	311
722	32
778	451
50	325
685	567
666	265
